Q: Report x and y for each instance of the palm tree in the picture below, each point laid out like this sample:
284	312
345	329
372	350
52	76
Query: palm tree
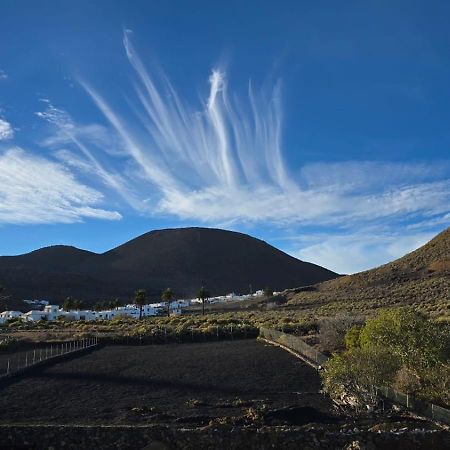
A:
203	295
114	304
167	296
140	299
78	304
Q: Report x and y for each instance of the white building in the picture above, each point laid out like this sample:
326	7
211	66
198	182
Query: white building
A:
6	315
53	312
34	316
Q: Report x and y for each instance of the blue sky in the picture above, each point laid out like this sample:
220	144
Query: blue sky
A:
319	127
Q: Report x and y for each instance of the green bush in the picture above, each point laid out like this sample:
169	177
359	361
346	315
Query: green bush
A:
399	348
352	337
352	377
409	334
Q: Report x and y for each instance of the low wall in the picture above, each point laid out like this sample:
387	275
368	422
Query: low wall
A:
161	438
317	359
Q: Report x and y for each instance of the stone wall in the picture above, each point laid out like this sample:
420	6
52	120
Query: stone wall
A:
164	438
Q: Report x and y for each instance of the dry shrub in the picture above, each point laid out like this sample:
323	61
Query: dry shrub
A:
407	381
333	330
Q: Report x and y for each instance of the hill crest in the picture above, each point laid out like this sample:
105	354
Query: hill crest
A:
181	258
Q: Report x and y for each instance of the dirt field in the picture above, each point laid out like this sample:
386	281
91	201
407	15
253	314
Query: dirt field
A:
189	383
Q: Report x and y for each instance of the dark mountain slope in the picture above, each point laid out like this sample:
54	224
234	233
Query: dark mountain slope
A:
57	258
183	259
421	277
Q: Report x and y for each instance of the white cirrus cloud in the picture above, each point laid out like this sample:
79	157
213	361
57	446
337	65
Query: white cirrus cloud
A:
6	130
3	75
220	161
36	190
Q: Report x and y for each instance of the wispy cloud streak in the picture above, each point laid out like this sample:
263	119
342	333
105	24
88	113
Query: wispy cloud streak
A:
221	161
35	190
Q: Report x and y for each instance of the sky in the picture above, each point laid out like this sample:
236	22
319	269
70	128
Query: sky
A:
320	127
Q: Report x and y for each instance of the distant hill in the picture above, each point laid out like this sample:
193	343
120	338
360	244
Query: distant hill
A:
183	259
420	278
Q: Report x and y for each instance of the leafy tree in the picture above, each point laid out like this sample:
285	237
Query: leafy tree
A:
68	304
203	295
168	296
354	375
140	299
408	334
71	304
400	348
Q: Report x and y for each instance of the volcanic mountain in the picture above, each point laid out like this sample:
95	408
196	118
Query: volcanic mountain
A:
420	278
183	259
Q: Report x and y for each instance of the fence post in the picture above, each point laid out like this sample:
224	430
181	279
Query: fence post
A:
217	331
40	354
34	355
26	359
7	368
231	331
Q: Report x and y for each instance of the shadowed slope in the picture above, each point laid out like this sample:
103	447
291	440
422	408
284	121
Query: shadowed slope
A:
183	259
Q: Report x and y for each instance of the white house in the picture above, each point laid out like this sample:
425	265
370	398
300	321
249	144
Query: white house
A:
53	312
6	315
34	316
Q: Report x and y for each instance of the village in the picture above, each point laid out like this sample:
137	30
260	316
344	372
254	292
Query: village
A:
51	312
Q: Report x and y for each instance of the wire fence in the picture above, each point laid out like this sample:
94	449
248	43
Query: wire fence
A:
20	361
421	407
294	343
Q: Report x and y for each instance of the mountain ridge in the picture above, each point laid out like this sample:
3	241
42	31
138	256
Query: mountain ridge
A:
180	258
420	278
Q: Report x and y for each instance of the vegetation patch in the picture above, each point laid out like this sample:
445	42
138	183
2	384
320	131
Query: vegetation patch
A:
399	348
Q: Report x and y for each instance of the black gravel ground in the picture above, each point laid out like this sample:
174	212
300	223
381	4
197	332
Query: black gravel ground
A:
184	383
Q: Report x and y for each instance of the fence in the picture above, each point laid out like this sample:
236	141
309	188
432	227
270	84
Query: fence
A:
294	343
317	359
24	360
420	407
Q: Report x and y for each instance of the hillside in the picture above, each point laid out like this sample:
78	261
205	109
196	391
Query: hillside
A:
420	278
183	259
